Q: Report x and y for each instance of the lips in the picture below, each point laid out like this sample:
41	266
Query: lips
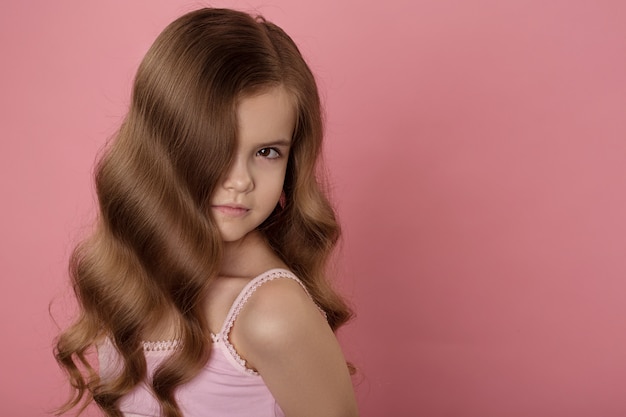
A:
231	210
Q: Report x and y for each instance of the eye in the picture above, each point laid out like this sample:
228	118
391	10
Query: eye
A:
269	153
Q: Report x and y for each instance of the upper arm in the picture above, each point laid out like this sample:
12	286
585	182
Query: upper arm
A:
283	335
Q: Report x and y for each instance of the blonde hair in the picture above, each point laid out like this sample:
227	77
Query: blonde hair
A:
156	246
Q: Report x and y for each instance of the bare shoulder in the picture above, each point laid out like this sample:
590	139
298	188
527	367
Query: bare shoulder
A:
284	336
279	310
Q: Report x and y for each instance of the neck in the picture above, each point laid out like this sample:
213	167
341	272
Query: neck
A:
235	255
249	257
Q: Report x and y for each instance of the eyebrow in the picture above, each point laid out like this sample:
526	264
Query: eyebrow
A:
280	142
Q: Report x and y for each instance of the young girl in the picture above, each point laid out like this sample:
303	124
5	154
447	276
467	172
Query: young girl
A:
203	285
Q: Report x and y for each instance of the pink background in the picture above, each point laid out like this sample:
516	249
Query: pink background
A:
478	152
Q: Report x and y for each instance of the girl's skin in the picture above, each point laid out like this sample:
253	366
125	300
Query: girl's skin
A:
280	332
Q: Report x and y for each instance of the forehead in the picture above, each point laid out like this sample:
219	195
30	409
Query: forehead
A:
266	116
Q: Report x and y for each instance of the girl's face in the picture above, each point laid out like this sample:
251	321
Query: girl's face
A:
251	188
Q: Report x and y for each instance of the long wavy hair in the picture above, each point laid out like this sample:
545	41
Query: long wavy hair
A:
155	247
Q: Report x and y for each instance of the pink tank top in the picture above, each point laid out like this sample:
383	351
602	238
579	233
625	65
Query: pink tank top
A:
225	387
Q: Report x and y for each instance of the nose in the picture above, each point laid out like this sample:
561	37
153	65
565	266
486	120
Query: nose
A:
238	177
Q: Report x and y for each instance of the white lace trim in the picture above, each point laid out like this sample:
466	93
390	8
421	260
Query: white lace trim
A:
161	345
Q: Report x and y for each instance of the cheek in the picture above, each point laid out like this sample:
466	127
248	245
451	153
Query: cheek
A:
277	189
270	180
277	185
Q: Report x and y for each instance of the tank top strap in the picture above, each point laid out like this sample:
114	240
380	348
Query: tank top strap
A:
247	292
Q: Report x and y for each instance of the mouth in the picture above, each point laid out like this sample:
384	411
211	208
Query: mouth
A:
231	210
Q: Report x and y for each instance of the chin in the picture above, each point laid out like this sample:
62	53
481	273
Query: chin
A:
231	237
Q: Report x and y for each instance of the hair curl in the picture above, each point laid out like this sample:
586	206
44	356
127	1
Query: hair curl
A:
156	247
